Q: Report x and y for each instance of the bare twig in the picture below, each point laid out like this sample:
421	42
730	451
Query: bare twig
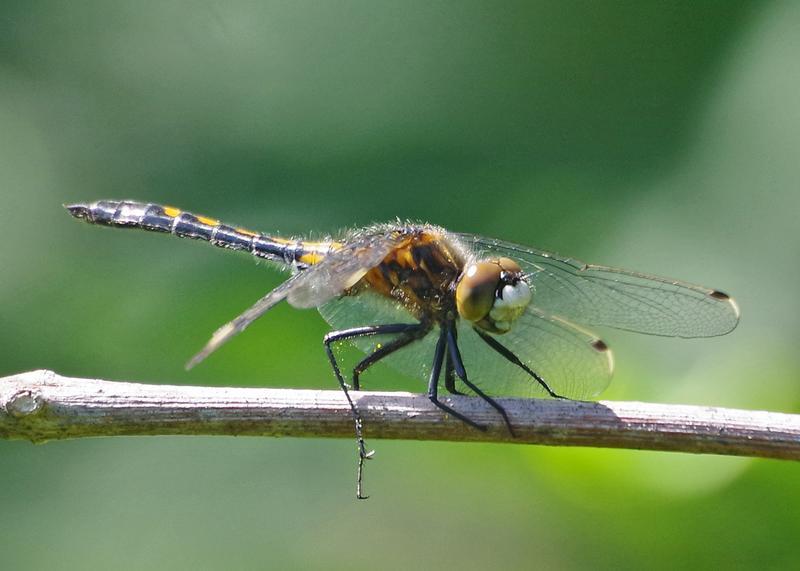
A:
42	405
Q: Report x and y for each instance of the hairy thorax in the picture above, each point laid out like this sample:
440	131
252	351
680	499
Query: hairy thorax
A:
420	273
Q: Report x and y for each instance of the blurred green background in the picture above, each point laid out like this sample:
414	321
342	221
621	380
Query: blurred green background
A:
662	137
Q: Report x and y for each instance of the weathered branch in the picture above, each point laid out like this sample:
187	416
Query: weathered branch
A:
42	405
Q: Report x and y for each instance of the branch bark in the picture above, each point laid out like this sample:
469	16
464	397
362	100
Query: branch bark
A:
41	405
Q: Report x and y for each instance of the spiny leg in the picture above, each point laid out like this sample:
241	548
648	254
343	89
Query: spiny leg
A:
413	333
336	336
462	374
508	354
449	372
433	382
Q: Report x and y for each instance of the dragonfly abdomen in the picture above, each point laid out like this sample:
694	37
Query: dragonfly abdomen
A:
171	220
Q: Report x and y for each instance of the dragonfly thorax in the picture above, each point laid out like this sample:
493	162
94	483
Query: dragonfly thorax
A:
492	294
420	273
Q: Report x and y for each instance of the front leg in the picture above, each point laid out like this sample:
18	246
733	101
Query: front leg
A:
508	354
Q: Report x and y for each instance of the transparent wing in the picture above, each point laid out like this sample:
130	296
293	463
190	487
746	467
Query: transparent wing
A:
600	295
370	308
314	286
570	359
573	362
342	268
224	333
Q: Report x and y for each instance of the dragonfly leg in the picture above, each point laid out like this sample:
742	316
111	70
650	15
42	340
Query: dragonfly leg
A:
413	332
449	372
433	382
343	335
462	374
508	354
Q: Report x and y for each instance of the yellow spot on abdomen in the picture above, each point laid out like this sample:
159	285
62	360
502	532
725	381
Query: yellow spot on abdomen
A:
246	232
207	221
171	211
311	258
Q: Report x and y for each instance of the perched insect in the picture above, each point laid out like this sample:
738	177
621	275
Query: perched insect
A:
506	314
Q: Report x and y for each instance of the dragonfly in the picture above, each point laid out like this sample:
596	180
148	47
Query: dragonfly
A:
485	316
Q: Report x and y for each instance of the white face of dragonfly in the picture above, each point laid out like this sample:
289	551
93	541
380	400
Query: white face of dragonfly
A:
492	294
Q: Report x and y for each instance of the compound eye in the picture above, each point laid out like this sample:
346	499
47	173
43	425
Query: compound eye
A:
510	267
475	292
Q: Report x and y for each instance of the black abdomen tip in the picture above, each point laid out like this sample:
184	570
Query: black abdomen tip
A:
79	210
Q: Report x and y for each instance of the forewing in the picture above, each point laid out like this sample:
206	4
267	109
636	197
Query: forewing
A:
600	295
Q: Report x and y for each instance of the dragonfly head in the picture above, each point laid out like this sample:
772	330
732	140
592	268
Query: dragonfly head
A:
492	294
